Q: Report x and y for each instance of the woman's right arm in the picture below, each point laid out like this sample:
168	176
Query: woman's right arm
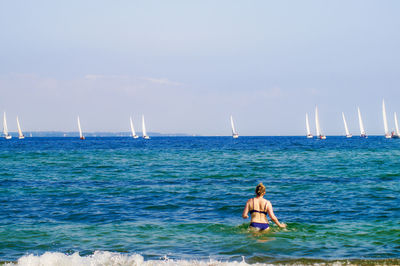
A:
246	210
271	214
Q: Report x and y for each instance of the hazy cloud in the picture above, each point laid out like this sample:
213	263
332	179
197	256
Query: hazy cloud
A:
105	101
100	77
161	81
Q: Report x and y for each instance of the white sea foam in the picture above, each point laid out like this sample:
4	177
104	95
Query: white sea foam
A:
100	258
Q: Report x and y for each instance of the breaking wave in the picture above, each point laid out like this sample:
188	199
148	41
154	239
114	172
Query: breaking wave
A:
100	258
107	258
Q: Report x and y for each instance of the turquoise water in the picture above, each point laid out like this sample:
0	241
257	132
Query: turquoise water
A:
181	198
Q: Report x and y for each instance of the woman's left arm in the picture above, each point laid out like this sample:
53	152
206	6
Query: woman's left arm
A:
246	210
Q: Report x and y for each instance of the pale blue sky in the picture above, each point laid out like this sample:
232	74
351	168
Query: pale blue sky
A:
188	65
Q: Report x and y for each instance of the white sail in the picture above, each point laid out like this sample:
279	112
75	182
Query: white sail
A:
144	129
234	132
385	123
80	129
20	135
317	129
5	128
317	126
133	130
345	127
308	127
396	124
362	130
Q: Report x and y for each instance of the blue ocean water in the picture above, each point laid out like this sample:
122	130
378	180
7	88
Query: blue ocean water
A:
181	198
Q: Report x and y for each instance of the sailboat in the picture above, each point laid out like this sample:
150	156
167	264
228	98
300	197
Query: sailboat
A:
20	135
80	130
317	126
385	123
396	134
235	135
144	129
133	129
5	128
362	130
348	135
309	135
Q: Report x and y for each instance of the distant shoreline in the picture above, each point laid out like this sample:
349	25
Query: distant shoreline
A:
60	134
90	134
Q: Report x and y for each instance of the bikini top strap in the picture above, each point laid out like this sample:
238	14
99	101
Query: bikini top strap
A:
265	208
252	210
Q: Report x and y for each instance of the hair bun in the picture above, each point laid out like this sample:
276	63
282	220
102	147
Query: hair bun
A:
260	189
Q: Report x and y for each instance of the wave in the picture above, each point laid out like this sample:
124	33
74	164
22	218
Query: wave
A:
99	258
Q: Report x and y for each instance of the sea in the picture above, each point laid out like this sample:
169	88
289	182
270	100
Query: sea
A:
179	201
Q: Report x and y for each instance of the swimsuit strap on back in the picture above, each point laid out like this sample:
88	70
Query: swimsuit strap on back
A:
253	210
265	208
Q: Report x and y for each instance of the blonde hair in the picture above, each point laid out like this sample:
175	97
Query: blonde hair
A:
260	189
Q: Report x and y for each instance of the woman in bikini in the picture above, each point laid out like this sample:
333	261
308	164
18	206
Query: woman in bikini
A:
259	208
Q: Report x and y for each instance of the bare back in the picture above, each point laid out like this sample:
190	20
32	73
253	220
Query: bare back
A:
258	208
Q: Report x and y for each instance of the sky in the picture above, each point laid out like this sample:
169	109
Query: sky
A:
188	65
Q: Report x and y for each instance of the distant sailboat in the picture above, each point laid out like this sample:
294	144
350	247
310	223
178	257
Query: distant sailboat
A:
385	123
20	135
362	130
80	129
309	135
317	126
144	129
235	135
133	129
396	134
5	128
348	135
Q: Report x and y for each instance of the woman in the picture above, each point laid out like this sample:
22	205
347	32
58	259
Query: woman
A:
259	208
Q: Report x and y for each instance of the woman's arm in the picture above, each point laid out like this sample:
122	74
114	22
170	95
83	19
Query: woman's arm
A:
271	214
246	210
